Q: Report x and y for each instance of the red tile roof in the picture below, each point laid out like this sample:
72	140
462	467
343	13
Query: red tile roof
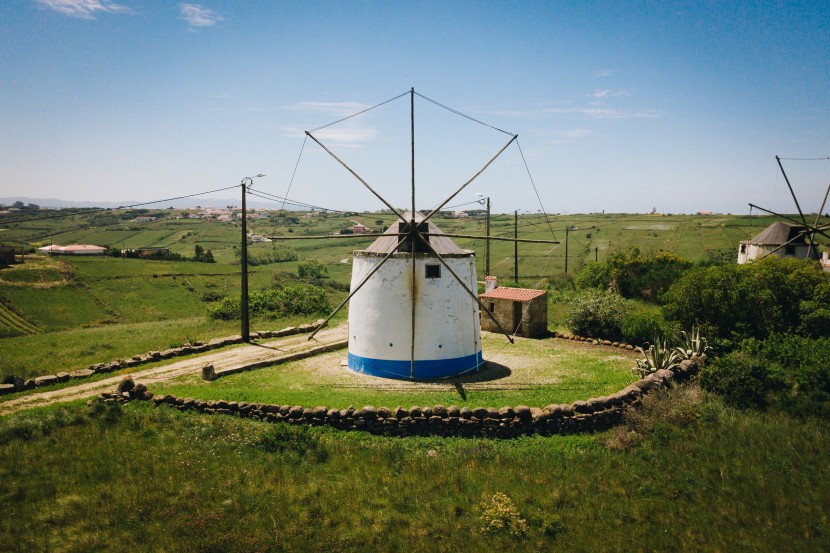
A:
513	294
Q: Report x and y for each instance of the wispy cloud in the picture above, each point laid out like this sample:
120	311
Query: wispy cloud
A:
605	73
83	9
604	93
607	113
198	16
591	112
335	109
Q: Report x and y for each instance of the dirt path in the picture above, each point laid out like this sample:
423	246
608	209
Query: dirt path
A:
273	350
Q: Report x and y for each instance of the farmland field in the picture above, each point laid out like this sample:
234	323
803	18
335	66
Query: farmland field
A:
83	296
687	474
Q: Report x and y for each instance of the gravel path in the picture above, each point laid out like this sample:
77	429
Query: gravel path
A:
234	358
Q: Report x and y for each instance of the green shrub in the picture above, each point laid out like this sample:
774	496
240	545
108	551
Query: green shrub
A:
312	268
734	302
639	327
289	299
743	379
597	314
633	275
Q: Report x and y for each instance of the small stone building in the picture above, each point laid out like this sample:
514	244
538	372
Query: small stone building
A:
520	310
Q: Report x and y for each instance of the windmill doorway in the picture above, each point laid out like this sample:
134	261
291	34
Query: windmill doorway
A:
517	318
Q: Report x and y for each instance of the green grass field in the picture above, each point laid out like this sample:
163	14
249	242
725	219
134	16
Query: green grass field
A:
695	477
684	474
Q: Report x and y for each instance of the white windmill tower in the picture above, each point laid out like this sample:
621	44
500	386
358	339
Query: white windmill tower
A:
414	313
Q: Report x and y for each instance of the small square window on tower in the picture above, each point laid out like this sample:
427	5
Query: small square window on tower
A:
433	271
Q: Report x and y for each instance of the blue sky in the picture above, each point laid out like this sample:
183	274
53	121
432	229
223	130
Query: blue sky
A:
619	106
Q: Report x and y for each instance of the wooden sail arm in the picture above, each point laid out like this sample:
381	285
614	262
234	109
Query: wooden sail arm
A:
471	179
363	182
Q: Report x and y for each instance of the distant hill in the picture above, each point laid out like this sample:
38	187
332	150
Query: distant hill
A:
179	204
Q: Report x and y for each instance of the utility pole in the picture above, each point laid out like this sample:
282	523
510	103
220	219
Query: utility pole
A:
246	183
567	227
487	241
515	246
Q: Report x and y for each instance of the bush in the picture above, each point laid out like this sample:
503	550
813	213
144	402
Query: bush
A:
735	302
633	275
597	314
743	379
312	269
639	327
289	299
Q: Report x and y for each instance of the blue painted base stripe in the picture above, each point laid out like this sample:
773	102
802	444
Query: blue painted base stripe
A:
424	370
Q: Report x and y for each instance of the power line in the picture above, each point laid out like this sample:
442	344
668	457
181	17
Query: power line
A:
97	210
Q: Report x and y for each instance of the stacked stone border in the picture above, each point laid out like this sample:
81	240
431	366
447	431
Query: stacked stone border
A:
592	415
17	384
595	341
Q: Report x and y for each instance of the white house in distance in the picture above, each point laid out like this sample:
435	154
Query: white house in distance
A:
447	337
771	239
73	249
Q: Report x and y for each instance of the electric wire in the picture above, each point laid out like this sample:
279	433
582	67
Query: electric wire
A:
294	173
99	209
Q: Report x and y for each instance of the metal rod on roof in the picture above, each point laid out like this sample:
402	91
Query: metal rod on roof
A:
494	238
792	193
412	232
815	225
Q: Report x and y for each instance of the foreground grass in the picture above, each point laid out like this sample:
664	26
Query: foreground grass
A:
146	479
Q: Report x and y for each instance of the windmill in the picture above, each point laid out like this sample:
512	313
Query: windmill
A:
786	236
414	313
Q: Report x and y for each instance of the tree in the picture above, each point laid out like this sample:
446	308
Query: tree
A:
312	269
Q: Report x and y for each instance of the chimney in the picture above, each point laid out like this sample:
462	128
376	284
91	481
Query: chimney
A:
490	283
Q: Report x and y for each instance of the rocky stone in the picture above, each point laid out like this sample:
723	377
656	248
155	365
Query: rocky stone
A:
295	412
523	412
46	380
319	412
400	413
82	373
440	411
582	407
209	372
415	411
466	413
453	411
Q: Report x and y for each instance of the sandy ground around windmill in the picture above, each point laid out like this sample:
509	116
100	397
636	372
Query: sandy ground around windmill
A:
527	364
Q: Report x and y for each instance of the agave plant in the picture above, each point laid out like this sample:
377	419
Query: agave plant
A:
658	356
692	344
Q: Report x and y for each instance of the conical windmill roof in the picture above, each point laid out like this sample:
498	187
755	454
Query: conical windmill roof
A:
441	244
778	233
